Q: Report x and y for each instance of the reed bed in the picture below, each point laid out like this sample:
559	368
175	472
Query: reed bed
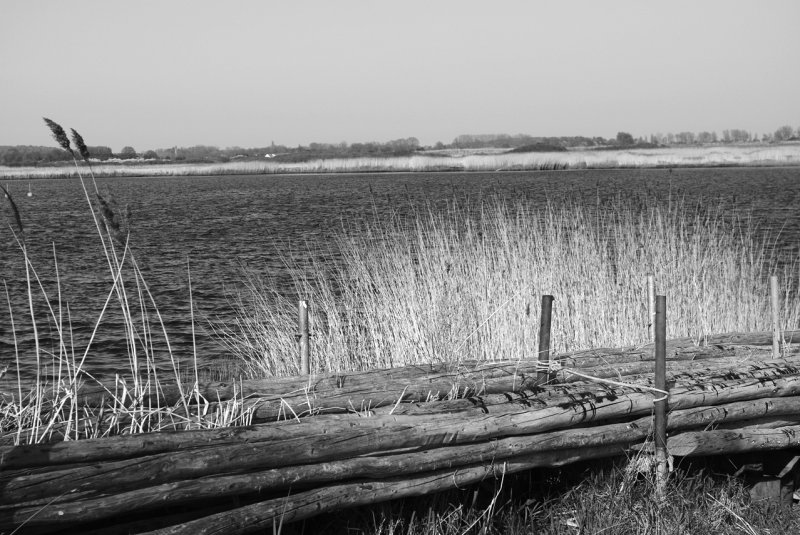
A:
710	156
465	283
48	407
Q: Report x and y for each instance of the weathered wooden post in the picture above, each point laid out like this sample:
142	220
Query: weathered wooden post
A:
302	337
776	323
660	435
651	307
543	376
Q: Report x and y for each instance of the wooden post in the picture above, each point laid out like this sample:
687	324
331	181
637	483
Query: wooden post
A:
660	431
302	337
776	324
651	307
544	338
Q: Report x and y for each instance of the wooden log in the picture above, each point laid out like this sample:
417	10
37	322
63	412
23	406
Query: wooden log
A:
302	443
768	422
68	509
264	411
83	508
346	401
633	373
591	403
292	508
729	441
422	381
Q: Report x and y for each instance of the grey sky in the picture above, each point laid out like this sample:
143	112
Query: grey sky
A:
155	74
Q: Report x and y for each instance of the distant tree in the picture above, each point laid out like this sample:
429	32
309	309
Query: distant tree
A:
34	156
738	136
12	157
783	133
706	137
624	138
101	153
127	153
150	155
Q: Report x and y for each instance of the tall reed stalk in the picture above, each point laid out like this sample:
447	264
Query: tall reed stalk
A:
465	283
50	408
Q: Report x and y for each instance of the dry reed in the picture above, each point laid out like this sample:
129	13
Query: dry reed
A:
712	156
49	408
465	283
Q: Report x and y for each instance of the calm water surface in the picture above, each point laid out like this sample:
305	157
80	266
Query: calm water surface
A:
211	226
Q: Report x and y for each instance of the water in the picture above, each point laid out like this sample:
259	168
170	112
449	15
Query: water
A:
210	227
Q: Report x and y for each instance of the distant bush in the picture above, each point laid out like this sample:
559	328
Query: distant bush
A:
127	153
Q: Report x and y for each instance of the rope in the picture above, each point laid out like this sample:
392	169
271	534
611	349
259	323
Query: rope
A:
553	366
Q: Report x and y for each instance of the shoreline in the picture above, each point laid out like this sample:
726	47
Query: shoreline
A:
787	155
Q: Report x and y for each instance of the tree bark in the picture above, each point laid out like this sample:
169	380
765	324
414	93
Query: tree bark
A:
728	441
468	376
288	444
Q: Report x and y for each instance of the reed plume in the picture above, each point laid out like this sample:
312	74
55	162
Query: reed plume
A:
59	135
117	221
77	139
14	210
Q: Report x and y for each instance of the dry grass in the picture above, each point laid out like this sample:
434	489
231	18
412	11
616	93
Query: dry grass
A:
49	408
595	498
710	156
465	283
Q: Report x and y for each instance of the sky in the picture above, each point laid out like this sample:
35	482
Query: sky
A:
164	73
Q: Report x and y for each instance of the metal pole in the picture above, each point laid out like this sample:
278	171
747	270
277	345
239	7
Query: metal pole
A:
543	376
660	435
302	338
776	323
651	307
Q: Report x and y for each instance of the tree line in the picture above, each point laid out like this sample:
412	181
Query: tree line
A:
18	155
29	155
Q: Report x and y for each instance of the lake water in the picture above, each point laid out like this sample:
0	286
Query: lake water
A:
214	225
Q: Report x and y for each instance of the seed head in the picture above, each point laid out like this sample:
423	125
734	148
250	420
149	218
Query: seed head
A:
59	135
14	210
80	145
117	221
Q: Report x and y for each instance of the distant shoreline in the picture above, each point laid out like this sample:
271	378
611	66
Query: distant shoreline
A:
786	155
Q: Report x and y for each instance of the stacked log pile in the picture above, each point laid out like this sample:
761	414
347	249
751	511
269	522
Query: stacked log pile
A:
354	439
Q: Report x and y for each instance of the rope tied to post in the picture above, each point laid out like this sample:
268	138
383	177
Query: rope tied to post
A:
553	366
